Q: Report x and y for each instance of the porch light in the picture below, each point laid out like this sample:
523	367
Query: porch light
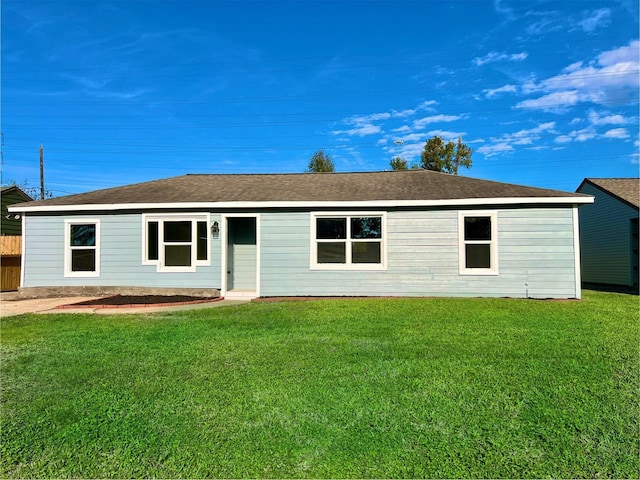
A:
215	230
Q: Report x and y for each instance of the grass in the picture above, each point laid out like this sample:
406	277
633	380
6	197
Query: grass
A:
339	388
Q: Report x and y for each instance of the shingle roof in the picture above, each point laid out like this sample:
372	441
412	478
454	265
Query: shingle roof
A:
14	189
410	185
625	189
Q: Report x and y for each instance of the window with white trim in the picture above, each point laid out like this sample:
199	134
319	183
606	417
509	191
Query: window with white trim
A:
348	241
82	248
176	243
478	232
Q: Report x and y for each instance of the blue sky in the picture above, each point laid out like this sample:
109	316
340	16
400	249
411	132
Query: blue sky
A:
118	92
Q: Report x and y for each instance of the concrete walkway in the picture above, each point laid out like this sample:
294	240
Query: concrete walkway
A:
11	305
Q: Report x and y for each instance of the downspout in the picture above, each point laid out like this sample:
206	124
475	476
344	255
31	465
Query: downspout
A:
576	253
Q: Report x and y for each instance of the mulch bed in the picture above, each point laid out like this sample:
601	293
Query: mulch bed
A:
135	301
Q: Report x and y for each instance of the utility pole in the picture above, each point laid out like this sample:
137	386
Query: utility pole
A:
41	172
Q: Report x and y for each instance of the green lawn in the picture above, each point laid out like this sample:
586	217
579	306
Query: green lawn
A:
328	388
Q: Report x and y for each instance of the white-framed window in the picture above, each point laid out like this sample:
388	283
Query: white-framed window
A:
82	248
478	242
176	242
353	241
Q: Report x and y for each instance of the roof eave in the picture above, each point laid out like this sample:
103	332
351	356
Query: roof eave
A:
463	202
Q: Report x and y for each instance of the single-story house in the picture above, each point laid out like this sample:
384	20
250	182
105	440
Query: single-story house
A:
396	233
609	232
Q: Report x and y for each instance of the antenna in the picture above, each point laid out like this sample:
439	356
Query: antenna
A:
398	143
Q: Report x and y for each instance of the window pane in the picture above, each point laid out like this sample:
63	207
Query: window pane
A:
331	228
478	256
177	231
83	235
334	252
365	252
83	260
152	240
177	255
477	228
366	227
202	241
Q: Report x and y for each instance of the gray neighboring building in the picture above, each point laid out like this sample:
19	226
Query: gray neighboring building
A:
404	233
609	232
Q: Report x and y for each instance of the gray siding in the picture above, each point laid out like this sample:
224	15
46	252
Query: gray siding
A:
605	239
121	256
535	253
535	249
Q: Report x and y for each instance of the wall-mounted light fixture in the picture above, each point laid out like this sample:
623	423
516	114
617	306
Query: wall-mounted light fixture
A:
215	230
15	216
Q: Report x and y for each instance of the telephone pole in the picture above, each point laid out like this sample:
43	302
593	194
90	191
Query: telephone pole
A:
41	172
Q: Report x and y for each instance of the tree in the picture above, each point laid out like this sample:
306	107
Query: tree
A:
320	162
33	192
445	157
398	163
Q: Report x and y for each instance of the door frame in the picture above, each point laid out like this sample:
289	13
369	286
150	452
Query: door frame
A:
225	217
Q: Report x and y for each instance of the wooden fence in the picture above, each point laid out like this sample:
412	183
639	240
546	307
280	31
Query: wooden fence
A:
10	246
10	252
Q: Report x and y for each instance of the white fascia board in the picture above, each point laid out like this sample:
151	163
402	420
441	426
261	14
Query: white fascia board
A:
471	202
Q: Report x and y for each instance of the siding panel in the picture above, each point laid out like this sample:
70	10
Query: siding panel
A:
423	257
535	254
121	256
605	239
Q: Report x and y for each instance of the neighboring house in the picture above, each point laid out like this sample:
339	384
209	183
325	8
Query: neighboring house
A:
398	233
609	232
10	240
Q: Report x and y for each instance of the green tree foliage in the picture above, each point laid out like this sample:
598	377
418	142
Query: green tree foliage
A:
445	157
398	163
320	162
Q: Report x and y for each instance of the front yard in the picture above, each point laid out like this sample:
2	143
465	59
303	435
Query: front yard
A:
329	388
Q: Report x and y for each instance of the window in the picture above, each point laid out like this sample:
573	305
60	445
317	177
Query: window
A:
351	241
82	252
478	243
176	243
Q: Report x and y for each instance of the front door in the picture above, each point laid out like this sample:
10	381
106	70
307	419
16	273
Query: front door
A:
242	256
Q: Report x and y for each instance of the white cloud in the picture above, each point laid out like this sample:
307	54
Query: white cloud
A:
403	113
363	125
359	131
412	137
447	135
427	104
584	134
421	122
493	57
596	119
619	133
495	149
611	77
552	101
364	119
581	135
596	19
492	92
563	139
507	142
590	133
